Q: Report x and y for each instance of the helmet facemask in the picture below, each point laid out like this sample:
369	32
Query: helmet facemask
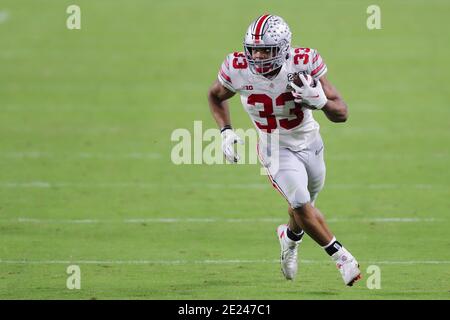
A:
277	55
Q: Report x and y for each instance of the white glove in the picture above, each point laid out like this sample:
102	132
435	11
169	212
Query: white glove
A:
314	97
229	138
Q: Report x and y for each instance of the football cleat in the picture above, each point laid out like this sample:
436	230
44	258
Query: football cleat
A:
347	265
288	257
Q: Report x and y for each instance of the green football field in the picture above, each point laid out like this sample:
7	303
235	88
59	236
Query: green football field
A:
86	176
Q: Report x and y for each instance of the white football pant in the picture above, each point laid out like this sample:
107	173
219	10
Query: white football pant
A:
299	175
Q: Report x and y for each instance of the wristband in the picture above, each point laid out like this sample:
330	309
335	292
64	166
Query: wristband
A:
226	127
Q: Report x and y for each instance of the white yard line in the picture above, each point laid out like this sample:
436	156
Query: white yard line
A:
211	220
150	156
392	156
208	262
80	155
4	16
156	155
149	185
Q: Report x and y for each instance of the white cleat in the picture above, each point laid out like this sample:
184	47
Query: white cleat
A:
288	257
347	265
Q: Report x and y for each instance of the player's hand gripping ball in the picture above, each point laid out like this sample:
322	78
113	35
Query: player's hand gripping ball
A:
298	82
308	92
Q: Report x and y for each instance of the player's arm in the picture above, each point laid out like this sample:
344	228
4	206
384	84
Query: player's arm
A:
323	96
217	99
335	108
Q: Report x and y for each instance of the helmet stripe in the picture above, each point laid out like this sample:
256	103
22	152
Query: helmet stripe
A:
259	25
254	24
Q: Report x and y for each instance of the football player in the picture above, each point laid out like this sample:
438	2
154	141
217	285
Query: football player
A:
280	87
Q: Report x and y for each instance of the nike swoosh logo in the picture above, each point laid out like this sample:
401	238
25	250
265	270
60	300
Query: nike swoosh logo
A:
318	151
313	96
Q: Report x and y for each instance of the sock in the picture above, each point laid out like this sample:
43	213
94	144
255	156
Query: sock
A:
333	246
294	236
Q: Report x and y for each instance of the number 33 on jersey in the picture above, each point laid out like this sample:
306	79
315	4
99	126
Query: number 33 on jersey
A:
269	102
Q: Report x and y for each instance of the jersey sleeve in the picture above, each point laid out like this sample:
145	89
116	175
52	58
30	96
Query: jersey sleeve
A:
316	67
224	75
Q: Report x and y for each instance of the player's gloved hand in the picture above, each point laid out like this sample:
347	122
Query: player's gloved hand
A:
229	138
313	96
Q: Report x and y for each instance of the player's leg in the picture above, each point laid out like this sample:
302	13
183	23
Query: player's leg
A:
297	230
306	216
320	217
311	220
291	179
289	235
292	225
313	158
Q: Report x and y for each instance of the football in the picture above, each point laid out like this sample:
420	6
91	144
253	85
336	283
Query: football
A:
298	82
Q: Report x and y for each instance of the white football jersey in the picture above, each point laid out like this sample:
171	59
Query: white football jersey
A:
269	102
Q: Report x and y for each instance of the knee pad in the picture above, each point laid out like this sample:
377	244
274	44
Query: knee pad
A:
300	198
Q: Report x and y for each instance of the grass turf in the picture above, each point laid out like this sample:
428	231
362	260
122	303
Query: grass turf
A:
85	125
